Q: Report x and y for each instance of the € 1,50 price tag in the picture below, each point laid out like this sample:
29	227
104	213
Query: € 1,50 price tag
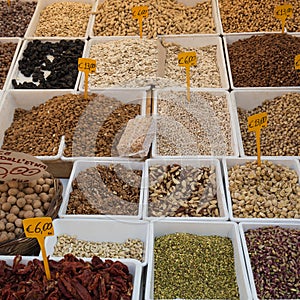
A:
282	12
86	65
140	12
39	228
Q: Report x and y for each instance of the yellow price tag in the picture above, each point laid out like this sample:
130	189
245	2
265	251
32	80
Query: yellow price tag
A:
256	123
39	228
297	62
86	65
8	2
282	12
187	59
140	12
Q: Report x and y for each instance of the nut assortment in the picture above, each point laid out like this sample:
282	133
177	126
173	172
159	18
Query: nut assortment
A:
281	136
7	51
131	248
182	127
182	191
189	266
112	190
267	191
20	201
274	257
114	17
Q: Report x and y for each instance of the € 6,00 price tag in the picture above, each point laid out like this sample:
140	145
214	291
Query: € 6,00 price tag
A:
140	12
187	59
86	65
39	228
282	12
256	123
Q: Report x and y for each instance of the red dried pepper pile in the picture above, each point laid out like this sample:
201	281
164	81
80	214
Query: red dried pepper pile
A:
71	278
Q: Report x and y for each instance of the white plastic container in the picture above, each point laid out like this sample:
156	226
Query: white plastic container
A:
43	4
81	165
214	92
250	99
134	267
231	38
225	229
196	163
228	163
117	231
244	227
18	42
16	74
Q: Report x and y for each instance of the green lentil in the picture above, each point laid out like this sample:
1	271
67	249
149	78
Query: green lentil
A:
189	266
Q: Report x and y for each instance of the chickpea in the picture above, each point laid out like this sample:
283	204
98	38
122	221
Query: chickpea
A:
19	223
2	226
28	214
10	227
21	202
11	218
12	200
11	235
28	207
3	236
6	206
3	187
14	210
13	184
13	191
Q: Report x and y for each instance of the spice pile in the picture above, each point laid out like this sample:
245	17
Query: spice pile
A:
7	51
188	266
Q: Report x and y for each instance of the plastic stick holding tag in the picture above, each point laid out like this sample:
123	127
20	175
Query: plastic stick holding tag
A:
140	12
86	65
282	12
187	59
39	228
297	62
256	123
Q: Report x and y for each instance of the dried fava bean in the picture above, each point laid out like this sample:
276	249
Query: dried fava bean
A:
65	19
113	190
114	17
281	136
15	18
255	16
264	61
274	257
182	191
63	66
7	51
131	248
267	191
205	74
183	127
70	278
187	266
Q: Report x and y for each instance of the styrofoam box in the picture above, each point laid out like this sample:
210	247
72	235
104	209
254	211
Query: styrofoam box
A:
250	99
214	92
199	41
224	229
43	4
244	227
117	231
16	74
81	165
231	38
17	41
134	267
215	14
194	162
228	163
126	96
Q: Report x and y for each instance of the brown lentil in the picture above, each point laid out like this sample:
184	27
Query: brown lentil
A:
182	191
113	190
14	19
255	16
281	136
7	51
274	256
189	266
114	17
66	19
264	61
267	191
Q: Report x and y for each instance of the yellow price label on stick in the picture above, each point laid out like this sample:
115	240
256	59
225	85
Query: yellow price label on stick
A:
86	65
39	228
297	62
282	12
256	123
187	59
139	13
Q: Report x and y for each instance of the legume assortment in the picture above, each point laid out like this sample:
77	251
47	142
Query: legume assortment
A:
274	256
267	191
188	266
7	52
281	136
